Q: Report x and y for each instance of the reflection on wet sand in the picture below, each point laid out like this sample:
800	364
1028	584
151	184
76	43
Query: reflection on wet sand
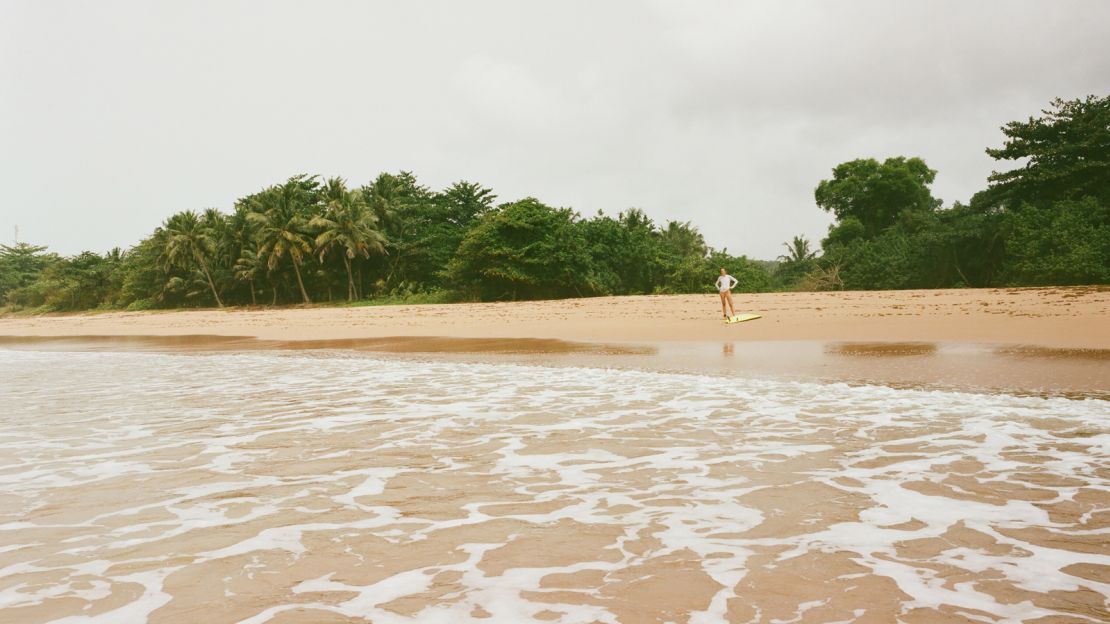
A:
1055	353
881	349
292	487
398	344
1015	369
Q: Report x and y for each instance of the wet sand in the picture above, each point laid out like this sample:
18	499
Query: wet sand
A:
644	463
1050	341
302	487
1018	370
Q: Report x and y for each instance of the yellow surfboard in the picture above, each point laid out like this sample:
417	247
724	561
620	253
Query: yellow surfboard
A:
740	318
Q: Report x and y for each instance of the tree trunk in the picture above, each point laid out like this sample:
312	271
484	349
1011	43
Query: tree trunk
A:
350	280
304	293
211	285
254	301
956	263
394	263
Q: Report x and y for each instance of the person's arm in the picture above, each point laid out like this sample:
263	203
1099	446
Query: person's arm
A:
734	282
718	282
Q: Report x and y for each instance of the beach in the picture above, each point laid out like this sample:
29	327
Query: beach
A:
1077	317
865	457
1027	340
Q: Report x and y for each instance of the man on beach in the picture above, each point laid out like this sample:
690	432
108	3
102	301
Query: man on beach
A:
725	284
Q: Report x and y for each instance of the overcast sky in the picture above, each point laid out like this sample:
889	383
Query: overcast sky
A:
114	115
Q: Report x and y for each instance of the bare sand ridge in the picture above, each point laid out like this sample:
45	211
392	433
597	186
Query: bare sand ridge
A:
1050	317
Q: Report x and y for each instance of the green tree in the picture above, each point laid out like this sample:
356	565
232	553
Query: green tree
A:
626	253
87	280
522	250
798	261
249	267
463	202
843	233
188	240
603	238
961	246
797	250
21	264
346	224
282	215
239	242
890	261
405	209
683	258
144	275
1066	242
1066	155
448	217
750	277
878	194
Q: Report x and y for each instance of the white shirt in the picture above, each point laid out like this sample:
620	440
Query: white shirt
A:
723	282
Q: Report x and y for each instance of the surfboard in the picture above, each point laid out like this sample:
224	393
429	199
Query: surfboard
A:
740	318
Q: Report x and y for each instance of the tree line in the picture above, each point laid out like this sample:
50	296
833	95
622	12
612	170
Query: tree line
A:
310	239
1044	222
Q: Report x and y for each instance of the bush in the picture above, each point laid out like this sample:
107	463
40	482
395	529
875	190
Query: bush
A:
1065	243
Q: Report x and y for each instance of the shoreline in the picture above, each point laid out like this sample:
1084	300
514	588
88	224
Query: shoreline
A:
1019	370
1043	341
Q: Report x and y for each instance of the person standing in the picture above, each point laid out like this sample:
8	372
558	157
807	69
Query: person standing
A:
725	284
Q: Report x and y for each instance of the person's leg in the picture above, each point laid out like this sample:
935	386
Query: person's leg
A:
723	310
732	309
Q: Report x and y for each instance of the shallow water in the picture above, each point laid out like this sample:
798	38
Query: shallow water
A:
975	367
332	487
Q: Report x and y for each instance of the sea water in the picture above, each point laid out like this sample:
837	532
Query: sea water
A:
320	487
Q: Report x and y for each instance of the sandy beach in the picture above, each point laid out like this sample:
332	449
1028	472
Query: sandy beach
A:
1045	341
1068	318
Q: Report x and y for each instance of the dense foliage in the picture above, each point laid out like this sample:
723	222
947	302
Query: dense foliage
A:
309	240
1046	222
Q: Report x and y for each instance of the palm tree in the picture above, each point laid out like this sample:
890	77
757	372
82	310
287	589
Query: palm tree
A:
684	239
249	266
399	202
346	223
797	251
282	216
218	228
241	247
386	194
186	240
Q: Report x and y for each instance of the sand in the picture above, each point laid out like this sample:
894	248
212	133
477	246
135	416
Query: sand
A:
1072	318
294	488
299	488
1045	342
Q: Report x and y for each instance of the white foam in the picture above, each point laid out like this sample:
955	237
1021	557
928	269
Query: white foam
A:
218	422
